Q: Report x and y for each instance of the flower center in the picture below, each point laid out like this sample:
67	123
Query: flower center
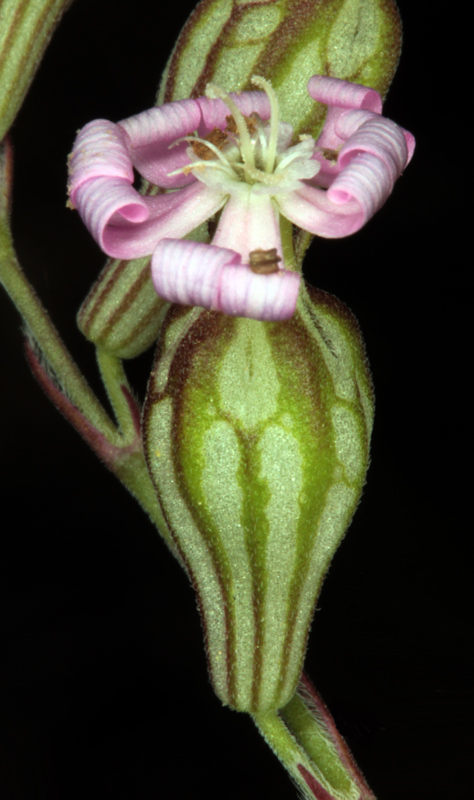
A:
249	150
258	151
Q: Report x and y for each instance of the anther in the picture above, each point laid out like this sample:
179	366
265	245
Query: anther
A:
202	150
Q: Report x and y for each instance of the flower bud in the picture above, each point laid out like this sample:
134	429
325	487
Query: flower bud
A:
228	43
26	26
122	313
256	436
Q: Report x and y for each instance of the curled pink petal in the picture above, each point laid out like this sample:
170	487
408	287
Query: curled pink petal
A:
379	137
363	131
264	297
339	96
366	181
150	135
312	210
371	160
370	154
190	273
349	122
410	143
100	150
166	123
99	199
126	224
342	94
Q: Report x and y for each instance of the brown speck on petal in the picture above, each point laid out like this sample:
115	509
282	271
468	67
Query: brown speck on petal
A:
329	155
264	262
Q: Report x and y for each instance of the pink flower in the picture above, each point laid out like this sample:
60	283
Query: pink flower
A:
231	154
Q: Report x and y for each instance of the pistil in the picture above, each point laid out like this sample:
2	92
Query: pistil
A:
271	149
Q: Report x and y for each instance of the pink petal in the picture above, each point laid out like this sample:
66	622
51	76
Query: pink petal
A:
343	94
249	223
346	125
150	135
192	273
167	123
99	199
369	163
339	95
100	150
367	181
377	135
312	210
371	160
372	153
265	297
128	225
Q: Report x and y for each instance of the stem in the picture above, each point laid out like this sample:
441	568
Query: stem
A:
124	458
58	375
130	465
126	409
41	328
304	737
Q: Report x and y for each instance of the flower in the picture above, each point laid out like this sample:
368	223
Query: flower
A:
230	153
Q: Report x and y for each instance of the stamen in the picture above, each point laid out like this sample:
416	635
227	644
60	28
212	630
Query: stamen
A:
215	92
292	153
204	157
262	83
224	167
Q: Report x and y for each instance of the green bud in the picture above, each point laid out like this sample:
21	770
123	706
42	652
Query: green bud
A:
285	41
122	313
26	26
257	439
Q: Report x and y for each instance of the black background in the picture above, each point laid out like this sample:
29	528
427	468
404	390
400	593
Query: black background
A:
104	688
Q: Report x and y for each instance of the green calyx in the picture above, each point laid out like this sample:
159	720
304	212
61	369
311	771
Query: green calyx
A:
285	41
256	437
122	313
